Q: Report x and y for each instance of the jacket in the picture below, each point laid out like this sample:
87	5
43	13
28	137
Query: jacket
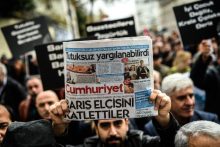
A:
198	115
136	138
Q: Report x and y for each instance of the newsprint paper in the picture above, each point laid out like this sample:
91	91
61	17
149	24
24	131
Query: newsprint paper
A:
110	78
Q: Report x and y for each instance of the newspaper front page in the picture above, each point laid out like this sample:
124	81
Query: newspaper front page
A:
110	78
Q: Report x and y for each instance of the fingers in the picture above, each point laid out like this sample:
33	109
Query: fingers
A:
159	99
59	108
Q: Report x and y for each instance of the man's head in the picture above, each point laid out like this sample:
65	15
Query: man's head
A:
112	132
205	46
198	134
5	120
3	73
142	62
180	89
34	86
43	101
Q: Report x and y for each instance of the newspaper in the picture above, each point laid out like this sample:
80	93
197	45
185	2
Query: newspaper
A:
110	78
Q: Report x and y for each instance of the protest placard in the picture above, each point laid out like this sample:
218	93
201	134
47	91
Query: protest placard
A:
112	29
110	78
23	36
198	20
50	61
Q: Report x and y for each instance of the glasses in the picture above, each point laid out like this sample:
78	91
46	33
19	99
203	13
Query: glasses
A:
182	97
107	125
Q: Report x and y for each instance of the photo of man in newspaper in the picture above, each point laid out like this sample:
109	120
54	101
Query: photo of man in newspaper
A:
142	71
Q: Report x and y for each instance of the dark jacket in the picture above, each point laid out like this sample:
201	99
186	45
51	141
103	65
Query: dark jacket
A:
212	89
135	138
76	133
149	128
13	93
198	71
206	76
37	133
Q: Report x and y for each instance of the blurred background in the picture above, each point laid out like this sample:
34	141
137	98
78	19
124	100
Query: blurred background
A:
66	19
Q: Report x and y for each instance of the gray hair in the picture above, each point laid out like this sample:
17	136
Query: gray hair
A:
196	128
175	82
3	69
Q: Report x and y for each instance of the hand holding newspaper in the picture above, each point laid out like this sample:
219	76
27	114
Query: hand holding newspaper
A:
110	78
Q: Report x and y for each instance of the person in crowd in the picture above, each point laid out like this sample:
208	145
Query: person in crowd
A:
43	102
27	107
157	79
11	92
33	68
115	132
17	70
180	89
198	134
201	60
181	63
205	74
5	61
6	117
142	71
37	133
158	66
168	54
212	87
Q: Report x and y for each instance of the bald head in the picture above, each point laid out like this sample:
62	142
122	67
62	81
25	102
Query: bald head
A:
43	101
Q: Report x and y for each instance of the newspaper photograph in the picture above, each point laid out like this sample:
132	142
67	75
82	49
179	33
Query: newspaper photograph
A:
111	78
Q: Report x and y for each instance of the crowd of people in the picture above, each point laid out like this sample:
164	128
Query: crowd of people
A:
186	94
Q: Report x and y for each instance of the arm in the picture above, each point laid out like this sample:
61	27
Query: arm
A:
201	64
163	105
198	70
165	124
57	112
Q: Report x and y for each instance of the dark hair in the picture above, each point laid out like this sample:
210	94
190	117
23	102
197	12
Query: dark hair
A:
96	122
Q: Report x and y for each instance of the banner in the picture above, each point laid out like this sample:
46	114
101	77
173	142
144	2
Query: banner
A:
22	37
50	61
109	78
112	29
198	20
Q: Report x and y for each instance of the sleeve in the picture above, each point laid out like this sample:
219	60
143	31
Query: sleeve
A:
198	71
167	135
76	133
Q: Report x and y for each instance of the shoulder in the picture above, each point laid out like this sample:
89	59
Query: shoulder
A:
14	84
25	102
205	115
138	137
149	125
135	133
150	129
93	141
